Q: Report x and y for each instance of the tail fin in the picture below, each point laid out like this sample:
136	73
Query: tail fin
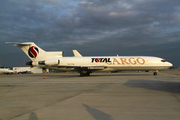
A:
34	52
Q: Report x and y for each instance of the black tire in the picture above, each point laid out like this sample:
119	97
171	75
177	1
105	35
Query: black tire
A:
84	74
81	74
87	74
155	73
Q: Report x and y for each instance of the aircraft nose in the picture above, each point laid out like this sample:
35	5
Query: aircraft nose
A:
170	64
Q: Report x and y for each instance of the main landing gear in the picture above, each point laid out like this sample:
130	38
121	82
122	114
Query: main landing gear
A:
84	73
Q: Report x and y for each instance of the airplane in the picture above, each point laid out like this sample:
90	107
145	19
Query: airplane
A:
6	71
87	65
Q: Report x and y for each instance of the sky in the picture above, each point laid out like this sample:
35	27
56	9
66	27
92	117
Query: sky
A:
93	27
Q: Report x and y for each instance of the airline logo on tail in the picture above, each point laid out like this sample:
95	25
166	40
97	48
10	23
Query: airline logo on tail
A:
33	52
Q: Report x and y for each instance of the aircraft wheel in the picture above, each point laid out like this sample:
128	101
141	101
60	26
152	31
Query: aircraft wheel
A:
84	74
155	73
87	74
81	75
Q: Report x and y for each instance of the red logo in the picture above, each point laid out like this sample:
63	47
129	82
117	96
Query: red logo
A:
97	60
33	52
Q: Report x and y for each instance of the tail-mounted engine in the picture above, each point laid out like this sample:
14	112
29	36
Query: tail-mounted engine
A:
49	62
44	62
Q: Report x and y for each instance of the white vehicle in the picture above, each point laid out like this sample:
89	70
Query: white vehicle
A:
86	65
6	71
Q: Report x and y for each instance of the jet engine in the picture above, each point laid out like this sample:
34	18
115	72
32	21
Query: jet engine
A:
49	62
44	62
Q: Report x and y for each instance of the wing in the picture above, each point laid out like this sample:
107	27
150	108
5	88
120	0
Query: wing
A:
80	68
76	53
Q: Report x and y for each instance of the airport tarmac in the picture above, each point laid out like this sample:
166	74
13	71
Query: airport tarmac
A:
101	96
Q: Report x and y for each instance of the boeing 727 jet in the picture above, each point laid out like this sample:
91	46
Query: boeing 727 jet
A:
86	65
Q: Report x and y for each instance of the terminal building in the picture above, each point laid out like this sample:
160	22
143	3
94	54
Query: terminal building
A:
30	70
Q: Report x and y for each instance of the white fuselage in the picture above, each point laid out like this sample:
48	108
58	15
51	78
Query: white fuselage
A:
110	63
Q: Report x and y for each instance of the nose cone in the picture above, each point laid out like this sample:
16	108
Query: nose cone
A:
169	64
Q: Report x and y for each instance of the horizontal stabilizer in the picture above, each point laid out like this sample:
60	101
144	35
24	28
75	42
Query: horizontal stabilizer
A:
19	44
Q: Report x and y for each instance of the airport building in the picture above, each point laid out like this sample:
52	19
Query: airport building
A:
30	70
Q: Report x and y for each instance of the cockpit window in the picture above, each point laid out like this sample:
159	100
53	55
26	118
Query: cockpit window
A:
163	60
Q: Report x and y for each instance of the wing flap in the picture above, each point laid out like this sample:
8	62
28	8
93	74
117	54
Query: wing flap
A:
96	68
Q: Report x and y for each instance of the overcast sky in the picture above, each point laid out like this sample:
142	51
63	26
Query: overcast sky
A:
93	27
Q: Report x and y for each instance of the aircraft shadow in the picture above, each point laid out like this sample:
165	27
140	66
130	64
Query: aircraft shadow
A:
55	76
92	75
97	114
33	116
119	74
166	86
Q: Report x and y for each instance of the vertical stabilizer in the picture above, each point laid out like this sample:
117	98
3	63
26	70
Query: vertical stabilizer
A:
34	52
